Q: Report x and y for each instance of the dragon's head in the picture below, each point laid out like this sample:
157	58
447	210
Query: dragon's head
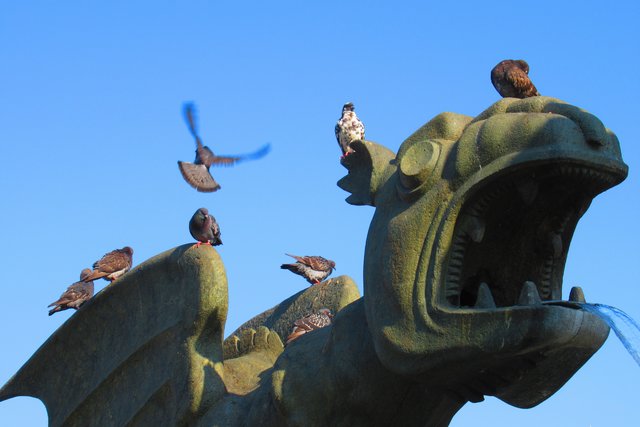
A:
473	222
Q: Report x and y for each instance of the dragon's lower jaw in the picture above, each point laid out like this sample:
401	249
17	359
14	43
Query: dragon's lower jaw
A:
574	336
522	355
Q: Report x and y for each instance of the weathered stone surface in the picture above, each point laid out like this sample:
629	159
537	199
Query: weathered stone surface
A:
333	294
473	221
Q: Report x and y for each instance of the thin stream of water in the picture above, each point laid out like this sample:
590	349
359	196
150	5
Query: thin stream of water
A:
627	329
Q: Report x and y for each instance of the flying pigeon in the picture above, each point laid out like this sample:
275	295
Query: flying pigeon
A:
313	268
511	79
112	265
310	323
197	173
75	295
348	129
204	228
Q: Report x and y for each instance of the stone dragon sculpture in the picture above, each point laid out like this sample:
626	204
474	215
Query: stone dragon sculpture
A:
463	265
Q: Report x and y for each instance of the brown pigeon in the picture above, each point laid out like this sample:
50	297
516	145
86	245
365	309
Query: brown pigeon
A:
197	173
112	265
348	129
75	295
310	323
313	268
511	79
204	228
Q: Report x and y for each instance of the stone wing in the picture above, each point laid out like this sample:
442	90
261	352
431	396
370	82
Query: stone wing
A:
141	352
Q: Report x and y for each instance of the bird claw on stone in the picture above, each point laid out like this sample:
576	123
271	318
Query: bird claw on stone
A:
198	244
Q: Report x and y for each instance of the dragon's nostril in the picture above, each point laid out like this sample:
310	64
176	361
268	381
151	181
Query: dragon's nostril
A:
596	142
418	163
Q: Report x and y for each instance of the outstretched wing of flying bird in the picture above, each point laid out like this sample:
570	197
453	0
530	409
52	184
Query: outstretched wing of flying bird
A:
189	116
232	160
197	174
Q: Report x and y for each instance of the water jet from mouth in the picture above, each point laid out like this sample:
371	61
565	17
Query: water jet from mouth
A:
626	329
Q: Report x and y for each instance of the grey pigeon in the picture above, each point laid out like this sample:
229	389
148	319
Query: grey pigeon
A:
197	174
310	323
75	295
112	265
348	129
511	79
204	228
313	268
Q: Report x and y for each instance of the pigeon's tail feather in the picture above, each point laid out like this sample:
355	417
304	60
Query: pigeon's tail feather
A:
54	310
62	301
95	275
290	267
295	335
198	177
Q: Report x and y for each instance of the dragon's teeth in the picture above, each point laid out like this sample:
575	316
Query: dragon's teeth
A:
473	227
485	299
529	294
556	245
528	191
576	294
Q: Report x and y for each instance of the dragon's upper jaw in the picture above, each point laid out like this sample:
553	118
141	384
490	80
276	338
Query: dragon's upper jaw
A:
510	242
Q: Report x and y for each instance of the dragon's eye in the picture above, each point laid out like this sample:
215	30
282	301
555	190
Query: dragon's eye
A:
417	163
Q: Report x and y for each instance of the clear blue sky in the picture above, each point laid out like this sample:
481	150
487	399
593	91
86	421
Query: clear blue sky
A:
91	129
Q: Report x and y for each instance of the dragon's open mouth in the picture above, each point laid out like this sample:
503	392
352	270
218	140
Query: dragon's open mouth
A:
511	238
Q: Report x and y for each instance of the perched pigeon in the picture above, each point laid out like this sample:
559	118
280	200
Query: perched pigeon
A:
75	295
511	79
204	228
310	323
112	265
197	173
348	129
313	268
